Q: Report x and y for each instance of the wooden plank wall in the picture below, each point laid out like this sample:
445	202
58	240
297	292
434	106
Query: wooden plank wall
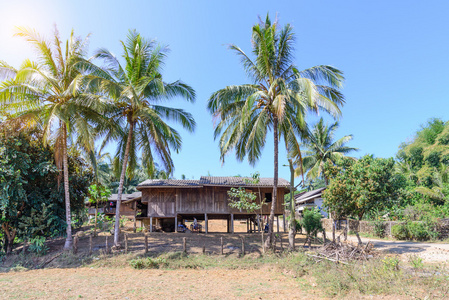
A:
213	200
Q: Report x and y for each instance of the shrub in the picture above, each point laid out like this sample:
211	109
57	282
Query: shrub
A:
400	231
379	228
311	222
415	261
148	263
391	263
37	245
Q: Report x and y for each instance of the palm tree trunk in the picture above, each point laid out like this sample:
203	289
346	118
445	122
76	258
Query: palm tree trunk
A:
68	214
270	237
292	229
120	187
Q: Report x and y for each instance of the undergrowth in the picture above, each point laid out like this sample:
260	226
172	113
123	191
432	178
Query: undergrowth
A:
379	276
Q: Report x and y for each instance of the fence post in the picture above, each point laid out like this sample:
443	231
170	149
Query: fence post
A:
24	248
126	243
146	243
90	244
221	240
75	244
204	248
243	246
184	245
107	246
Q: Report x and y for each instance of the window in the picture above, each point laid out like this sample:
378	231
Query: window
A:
268	197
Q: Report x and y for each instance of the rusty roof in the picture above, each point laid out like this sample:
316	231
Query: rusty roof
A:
212	181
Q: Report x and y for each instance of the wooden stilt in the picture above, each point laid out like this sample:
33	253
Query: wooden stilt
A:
206	224
184	245
221	241
285	224
135	216
151	224
176	223
277	223
232	223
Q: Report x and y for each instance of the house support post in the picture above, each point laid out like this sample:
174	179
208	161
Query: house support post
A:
176	223
135	216
232	223
206	224
277	223
285	224
151	224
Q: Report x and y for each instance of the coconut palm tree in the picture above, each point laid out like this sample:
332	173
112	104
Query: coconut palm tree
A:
277	99
137	91
47	93
321	148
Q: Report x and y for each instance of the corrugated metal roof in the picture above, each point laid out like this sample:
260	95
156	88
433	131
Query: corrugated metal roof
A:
125	197
169	183
241	181
303	197
212	181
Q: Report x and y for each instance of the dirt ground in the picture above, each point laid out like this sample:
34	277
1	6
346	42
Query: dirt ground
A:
129	283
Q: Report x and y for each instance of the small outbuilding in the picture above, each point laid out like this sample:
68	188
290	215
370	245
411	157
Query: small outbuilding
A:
310	199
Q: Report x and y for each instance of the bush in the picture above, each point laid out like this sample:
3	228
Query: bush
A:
311	222
400	231
148	263
37	245
379	228
420	231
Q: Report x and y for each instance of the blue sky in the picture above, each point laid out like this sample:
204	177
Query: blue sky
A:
395	56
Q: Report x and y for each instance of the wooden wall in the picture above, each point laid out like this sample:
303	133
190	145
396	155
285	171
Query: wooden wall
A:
166	202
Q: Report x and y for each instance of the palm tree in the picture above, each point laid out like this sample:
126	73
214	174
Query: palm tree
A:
137	90
277	99
440	183
322	148
47	93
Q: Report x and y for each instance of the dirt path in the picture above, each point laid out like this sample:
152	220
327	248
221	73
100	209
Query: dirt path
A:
429	252
127	283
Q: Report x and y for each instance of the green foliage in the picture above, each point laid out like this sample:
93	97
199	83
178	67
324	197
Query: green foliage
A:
416	261
391	263
37	245
358	187
321	148
245	200
415	230
148	263
98	193
31	194
400	231
379	228
311	222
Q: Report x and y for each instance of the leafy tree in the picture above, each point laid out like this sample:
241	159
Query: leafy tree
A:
358	187
98	194
243	199
277	99
311	222
322	148
137	89
48	93
31	201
